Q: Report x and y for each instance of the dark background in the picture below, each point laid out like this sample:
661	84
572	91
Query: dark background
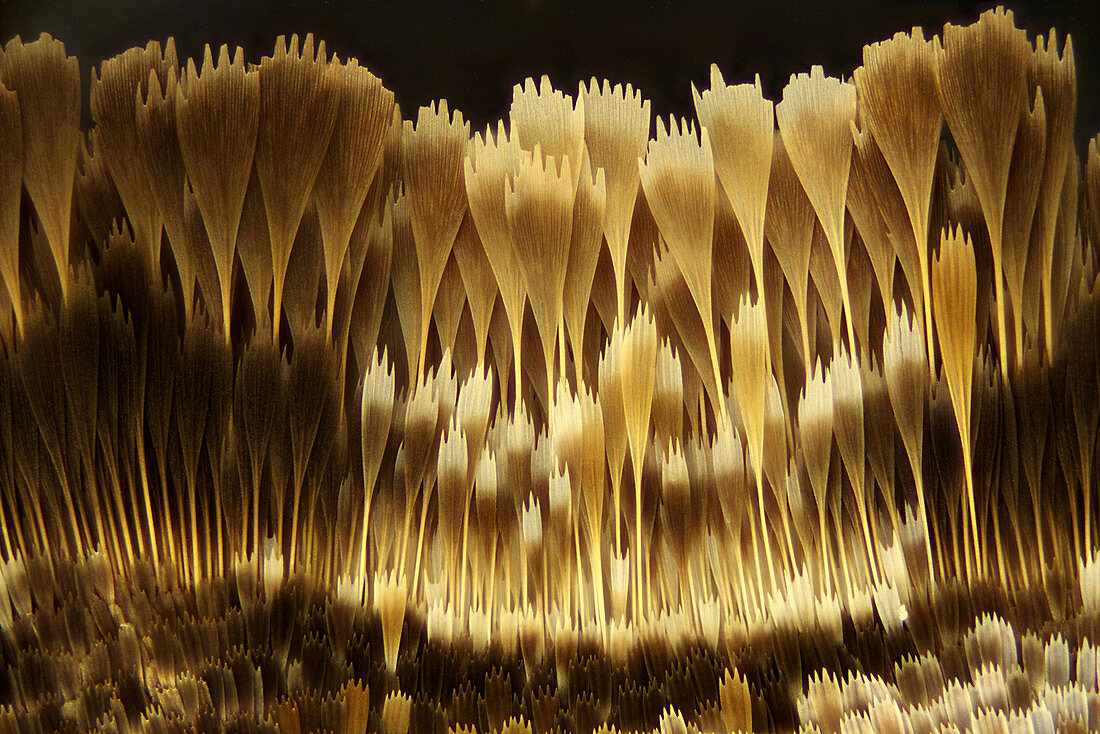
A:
472	52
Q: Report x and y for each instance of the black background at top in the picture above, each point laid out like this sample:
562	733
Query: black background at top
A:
472	52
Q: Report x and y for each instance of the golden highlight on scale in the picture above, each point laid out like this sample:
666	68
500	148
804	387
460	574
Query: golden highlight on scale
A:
317	414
